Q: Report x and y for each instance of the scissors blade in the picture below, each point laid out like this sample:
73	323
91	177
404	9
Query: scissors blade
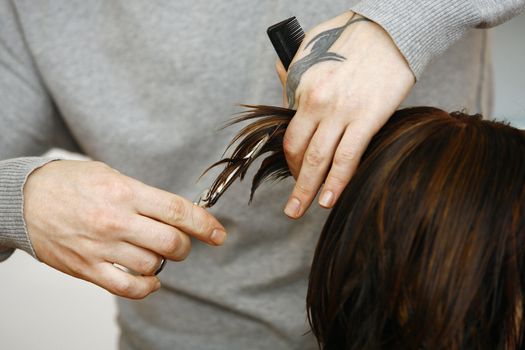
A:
209	197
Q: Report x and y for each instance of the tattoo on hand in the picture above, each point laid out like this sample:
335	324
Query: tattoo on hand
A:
321	43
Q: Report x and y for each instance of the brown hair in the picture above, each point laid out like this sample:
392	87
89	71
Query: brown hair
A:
425	247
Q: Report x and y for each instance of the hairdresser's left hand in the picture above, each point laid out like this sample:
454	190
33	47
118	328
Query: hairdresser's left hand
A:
345	85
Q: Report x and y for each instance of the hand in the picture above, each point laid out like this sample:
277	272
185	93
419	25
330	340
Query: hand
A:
346	80
84	216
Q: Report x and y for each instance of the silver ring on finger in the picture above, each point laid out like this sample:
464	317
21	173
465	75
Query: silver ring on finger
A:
161	266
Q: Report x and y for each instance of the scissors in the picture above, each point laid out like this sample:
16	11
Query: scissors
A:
211	195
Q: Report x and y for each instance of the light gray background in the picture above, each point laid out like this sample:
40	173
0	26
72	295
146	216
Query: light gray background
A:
41	308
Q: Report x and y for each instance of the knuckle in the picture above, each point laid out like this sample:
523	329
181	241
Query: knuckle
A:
314	157
141	294
200	220
302	190
316	98
336	180
122	287
184	250
117	190
357	104
289	150
176	210
103	221
170	244
343	157
148	265
289	146
78	268
201	227
360	131
108	184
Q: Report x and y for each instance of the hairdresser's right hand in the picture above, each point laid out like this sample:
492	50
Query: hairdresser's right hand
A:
83	216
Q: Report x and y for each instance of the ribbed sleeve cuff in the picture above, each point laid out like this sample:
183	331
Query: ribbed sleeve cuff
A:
421	29
13	175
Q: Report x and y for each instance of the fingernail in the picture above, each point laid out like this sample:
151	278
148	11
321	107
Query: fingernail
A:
293	207
218	236
326	198
157	286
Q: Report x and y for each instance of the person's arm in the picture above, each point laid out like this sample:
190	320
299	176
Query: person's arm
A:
424	29
352	72
80	217
29	125
13	174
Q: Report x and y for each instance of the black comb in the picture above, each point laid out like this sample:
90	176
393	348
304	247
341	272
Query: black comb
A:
286	37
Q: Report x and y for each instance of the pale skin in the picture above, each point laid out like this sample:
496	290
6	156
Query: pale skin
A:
342	100
83	216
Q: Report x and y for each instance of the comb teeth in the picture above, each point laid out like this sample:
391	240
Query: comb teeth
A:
286	37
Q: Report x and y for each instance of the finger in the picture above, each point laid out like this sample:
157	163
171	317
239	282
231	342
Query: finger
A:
346	159
179	213
316	162
285	99
137	259
281	72
296	140
158	237
124	284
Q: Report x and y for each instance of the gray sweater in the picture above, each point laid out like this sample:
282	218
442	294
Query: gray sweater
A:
143	86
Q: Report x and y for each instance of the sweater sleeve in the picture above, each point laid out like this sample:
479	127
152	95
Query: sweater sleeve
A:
29	126
13	232
423	29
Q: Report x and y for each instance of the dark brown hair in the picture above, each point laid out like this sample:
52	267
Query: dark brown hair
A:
425	247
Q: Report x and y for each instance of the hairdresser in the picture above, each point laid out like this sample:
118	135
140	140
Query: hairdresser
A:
141	87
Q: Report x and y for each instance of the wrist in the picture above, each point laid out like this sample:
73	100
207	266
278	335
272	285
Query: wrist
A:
13	176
